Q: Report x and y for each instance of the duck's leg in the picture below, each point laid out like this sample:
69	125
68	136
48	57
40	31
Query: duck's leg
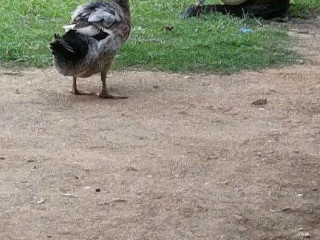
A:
104	93
75	89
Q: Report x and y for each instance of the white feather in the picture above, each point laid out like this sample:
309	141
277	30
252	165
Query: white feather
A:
69	27
89	31
101	14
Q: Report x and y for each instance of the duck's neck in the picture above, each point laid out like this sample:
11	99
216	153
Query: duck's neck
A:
124	4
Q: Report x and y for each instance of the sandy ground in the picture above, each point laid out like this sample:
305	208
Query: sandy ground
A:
184	157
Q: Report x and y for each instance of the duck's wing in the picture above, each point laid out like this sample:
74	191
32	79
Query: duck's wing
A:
99	14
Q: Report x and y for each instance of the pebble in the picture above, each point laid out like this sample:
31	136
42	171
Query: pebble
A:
286	209
259	102
41	201
183	112
241	229
306	235
226	182
131	169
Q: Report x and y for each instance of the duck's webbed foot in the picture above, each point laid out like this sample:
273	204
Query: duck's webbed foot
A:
104	93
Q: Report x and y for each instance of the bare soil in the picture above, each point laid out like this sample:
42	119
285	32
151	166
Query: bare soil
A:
184	157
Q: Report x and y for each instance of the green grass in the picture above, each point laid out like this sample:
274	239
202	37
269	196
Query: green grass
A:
305	8
210	43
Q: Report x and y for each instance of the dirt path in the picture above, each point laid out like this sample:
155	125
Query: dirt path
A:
182	158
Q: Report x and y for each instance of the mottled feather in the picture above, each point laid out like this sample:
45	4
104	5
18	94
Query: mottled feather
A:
104	26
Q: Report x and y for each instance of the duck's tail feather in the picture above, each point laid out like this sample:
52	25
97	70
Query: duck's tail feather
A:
69	49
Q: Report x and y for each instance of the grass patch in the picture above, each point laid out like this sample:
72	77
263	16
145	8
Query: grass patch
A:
211	43
305	8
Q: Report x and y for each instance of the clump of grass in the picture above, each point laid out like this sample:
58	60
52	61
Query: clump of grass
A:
211	43
305	8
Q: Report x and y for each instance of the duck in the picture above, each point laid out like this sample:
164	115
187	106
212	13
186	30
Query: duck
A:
91	42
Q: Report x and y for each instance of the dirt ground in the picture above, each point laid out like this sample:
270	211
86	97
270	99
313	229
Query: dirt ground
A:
184	157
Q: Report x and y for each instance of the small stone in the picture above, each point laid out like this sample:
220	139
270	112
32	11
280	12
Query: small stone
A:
260	102
149	176
299	195
2	158
17	91
226	182
131	169
304	31
183	112
259	154
41	201
241	229
156	87
30	161
98	190
301	229
270	91
187	77
306	235
286	209
87	187
315	189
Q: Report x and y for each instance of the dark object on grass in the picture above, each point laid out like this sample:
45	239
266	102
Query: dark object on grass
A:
267	9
